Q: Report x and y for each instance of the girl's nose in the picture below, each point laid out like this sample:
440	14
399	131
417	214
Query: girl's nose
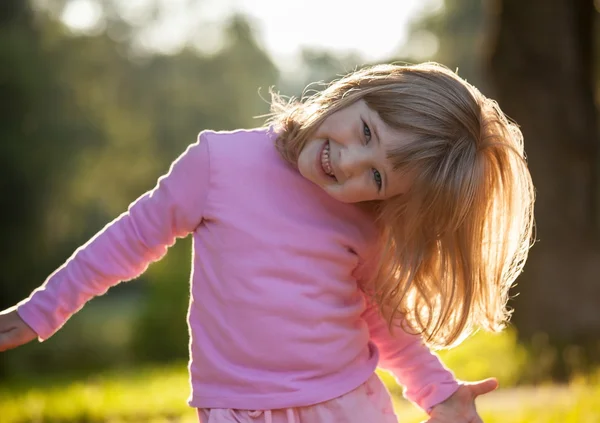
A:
352	160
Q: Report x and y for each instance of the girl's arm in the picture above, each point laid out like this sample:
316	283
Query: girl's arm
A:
125	247
428	383
426	380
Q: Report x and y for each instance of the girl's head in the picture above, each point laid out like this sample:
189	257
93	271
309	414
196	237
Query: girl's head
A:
442	169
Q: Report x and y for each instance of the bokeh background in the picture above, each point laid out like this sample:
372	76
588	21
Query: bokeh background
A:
99	96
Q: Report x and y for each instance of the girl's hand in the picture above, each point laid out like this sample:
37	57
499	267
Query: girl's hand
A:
460	407
13	330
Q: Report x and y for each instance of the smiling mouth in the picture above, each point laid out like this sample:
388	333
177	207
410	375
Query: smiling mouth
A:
325	161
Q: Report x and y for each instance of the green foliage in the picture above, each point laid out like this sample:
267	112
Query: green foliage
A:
160	332
478	358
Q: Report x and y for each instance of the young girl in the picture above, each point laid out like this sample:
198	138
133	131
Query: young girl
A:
386	214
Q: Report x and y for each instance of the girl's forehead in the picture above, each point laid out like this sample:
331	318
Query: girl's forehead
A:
389	136
391	139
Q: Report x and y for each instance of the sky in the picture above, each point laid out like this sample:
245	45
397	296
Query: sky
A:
373	28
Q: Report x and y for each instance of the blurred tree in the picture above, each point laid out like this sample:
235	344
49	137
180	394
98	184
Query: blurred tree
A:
541	65
322	65
458	27
15	21
35	150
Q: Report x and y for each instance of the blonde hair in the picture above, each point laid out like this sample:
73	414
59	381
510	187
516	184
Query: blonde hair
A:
452	246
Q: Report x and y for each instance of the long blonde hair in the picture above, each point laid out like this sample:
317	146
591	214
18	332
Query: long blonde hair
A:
451	247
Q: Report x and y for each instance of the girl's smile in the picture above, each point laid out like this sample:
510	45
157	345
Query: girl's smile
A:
325	161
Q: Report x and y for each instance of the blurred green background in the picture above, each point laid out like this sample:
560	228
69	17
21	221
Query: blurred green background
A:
99	96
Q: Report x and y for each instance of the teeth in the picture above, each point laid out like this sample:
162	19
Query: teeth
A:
325	162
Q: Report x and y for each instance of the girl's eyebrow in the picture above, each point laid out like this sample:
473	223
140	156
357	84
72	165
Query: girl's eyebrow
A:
375	129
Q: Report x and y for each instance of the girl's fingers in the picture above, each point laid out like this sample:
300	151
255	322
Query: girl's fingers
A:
7	340
482	387
15	338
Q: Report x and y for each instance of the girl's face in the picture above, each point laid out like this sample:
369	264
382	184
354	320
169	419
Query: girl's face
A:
347	156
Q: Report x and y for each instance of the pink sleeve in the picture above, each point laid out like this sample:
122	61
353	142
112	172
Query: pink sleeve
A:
126	246
425	379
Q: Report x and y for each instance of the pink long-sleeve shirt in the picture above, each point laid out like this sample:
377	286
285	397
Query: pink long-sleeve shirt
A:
276	315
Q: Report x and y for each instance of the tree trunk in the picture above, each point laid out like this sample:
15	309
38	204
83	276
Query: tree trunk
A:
541	71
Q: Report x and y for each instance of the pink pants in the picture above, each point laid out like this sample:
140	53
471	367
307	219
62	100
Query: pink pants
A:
369	403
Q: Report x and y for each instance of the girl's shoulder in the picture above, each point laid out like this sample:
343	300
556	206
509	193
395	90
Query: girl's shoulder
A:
242	139
241	148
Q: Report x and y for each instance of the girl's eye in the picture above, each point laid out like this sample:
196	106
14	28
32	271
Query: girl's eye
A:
377	178
367	132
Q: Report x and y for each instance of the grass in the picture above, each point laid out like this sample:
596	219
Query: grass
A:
151	394
159	394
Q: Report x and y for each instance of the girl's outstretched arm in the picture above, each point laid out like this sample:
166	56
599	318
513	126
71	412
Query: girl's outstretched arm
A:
125	247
